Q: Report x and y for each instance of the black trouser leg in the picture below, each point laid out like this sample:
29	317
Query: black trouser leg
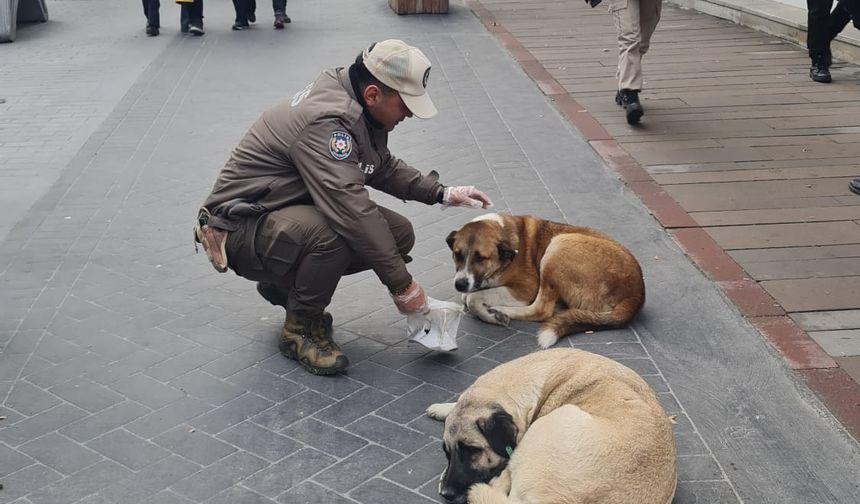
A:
818	27
150	10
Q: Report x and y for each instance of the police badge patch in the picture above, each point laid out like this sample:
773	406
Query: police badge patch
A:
340	145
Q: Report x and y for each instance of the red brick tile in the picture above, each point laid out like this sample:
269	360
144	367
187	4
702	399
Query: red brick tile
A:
798	349
839	393
662	206
708	255
620	160
750	298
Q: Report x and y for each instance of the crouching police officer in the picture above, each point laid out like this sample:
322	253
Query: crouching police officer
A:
290	210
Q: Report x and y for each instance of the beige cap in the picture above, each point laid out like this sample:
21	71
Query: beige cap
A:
405	69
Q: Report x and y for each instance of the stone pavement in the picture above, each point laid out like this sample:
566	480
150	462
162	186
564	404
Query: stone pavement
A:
131	372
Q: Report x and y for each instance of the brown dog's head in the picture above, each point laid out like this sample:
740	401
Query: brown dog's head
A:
482	248
478	441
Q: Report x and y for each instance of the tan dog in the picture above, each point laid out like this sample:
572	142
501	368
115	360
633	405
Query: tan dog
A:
520	267
562	426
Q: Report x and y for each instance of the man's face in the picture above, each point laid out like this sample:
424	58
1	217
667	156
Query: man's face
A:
387	109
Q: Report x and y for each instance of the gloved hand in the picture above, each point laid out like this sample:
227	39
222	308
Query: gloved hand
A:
412	300
466	196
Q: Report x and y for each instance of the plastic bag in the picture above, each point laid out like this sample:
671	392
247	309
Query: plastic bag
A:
436	330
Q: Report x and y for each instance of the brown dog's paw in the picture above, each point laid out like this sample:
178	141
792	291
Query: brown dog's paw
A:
502	318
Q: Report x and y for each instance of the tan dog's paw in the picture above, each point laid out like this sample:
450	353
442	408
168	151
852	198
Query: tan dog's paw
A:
483	493
501	317
502	482
440	411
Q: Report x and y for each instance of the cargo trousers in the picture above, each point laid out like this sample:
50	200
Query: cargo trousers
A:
635	22
296	250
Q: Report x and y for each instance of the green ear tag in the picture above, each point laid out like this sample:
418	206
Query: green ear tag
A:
509	451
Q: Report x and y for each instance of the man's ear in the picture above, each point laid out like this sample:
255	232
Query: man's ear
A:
506	252
372	95
500	431
450	240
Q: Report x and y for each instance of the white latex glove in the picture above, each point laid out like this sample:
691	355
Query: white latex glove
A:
412	300
466	196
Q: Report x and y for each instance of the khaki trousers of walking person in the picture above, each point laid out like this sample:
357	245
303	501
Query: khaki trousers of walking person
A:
635	21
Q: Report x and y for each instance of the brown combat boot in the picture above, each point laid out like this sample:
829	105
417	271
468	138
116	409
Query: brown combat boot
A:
309	341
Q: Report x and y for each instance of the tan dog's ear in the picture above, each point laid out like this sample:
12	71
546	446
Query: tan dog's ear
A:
450	240
506	252
500	431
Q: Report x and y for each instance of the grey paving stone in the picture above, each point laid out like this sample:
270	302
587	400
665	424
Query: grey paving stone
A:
689	443
23	342
127	449
29	479
353	407
383	378
104	421
44	422
438	374
657	383
29	399
150	480
380	491
109	346
12	460
265	383
705	492
206	387
260	441
219	476
324	437
166	418
388	434
147	391
414	403
515	346
360	349
615	350
417	469
400	354
280	365
289	472
167	497
476	365
473	325
242	358
698	468
125	367
233	412
468	345
337	386
60	453
428	426
194	445
357	468
669	403
239	495
642	366
87	394
67	370
158	340
183	363
57	349
80	484
214	337
311	493
281	415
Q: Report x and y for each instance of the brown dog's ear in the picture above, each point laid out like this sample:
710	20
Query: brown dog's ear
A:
500	431
450	240
506	252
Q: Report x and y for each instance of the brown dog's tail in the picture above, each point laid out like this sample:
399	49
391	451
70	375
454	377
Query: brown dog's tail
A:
574	320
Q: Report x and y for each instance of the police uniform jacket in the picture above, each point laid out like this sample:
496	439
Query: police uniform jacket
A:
318	148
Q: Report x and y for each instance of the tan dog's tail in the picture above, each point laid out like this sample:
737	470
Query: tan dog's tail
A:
485	494
573	320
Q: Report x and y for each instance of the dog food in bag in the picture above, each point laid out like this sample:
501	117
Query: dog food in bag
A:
436	330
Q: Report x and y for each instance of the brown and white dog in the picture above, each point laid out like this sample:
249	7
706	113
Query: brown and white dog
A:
562	426
570	278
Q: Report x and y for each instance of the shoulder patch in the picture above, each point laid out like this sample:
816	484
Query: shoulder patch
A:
340	145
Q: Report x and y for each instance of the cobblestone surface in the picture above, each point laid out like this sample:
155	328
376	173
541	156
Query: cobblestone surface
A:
131	372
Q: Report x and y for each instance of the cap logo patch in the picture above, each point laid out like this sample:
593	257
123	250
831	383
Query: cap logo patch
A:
340	145
426	76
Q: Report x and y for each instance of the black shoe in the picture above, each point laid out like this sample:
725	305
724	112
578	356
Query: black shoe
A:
820	70
252	17
618	99
630	102
196	30
287	19
152	31
854	185
240	26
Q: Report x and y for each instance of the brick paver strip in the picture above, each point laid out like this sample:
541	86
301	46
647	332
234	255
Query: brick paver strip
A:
797	347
